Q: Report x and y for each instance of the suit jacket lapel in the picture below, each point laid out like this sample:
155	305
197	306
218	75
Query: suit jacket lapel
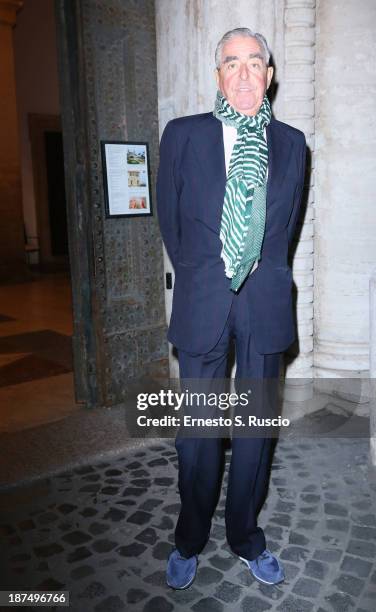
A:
279	151
207	142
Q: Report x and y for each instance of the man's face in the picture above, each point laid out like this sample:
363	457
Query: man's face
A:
243	76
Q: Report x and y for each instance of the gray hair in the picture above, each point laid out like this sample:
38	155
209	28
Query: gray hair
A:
246	32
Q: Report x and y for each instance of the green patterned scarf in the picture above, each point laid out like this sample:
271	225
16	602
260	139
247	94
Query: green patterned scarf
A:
244	207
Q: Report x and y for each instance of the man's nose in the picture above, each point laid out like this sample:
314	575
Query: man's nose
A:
244	72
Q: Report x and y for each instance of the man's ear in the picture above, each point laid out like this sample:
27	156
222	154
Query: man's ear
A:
216	74
269	76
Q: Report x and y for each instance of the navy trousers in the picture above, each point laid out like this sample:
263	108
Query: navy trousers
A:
201	459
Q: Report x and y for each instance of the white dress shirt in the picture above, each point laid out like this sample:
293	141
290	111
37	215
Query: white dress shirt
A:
229	139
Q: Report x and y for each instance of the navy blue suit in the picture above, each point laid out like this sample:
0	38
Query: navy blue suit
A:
190	193
207	315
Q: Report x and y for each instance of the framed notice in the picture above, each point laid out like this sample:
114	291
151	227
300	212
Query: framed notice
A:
126	178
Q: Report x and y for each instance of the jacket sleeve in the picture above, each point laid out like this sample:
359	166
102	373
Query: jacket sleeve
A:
168	193
298	192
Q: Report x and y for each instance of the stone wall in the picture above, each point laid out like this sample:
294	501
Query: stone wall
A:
345	226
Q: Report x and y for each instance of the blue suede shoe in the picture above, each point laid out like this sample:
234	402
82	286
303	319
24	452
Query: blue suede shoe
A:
181	572
266	568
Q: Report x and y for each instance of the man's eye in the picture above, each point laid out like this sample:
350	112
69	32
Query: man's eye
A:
232	66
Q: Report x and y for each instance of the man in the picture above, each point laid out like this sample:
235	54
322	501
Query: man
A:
228	238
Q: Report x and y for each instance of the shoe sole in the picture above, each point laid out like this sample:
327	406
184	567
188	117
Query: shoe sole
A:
260	579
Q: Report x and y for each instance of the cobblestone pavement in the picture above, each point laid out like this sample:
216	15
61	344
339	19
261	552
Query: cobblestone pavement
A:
104	531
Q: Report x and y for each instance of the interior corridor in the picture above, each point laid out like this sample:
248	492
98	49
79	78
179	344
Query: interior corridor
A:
36	378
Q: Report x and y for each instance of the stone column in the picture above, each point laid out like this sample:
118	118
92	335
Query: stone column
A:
345	226
299	110
12	250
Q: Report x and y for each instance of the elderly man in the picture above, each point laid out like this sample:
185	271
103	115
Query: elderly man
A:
228	191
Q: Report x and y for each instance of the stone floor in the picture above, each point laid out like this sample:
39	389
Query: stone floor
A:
103	532
35	352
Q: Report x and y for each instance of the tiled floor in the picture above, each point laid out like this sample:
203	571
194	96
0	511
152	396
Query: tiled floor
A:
35	352
104	531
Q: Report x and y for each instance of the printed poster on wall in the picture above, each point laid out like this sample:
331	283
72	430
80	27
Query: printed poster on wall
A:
126	178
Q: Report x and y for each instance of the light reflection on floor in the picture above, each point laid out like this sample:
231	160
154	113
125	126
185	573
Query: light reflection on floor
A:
36	379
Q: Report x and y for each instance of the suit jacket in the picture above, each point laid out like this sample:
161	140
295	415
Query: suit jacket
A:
190	192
